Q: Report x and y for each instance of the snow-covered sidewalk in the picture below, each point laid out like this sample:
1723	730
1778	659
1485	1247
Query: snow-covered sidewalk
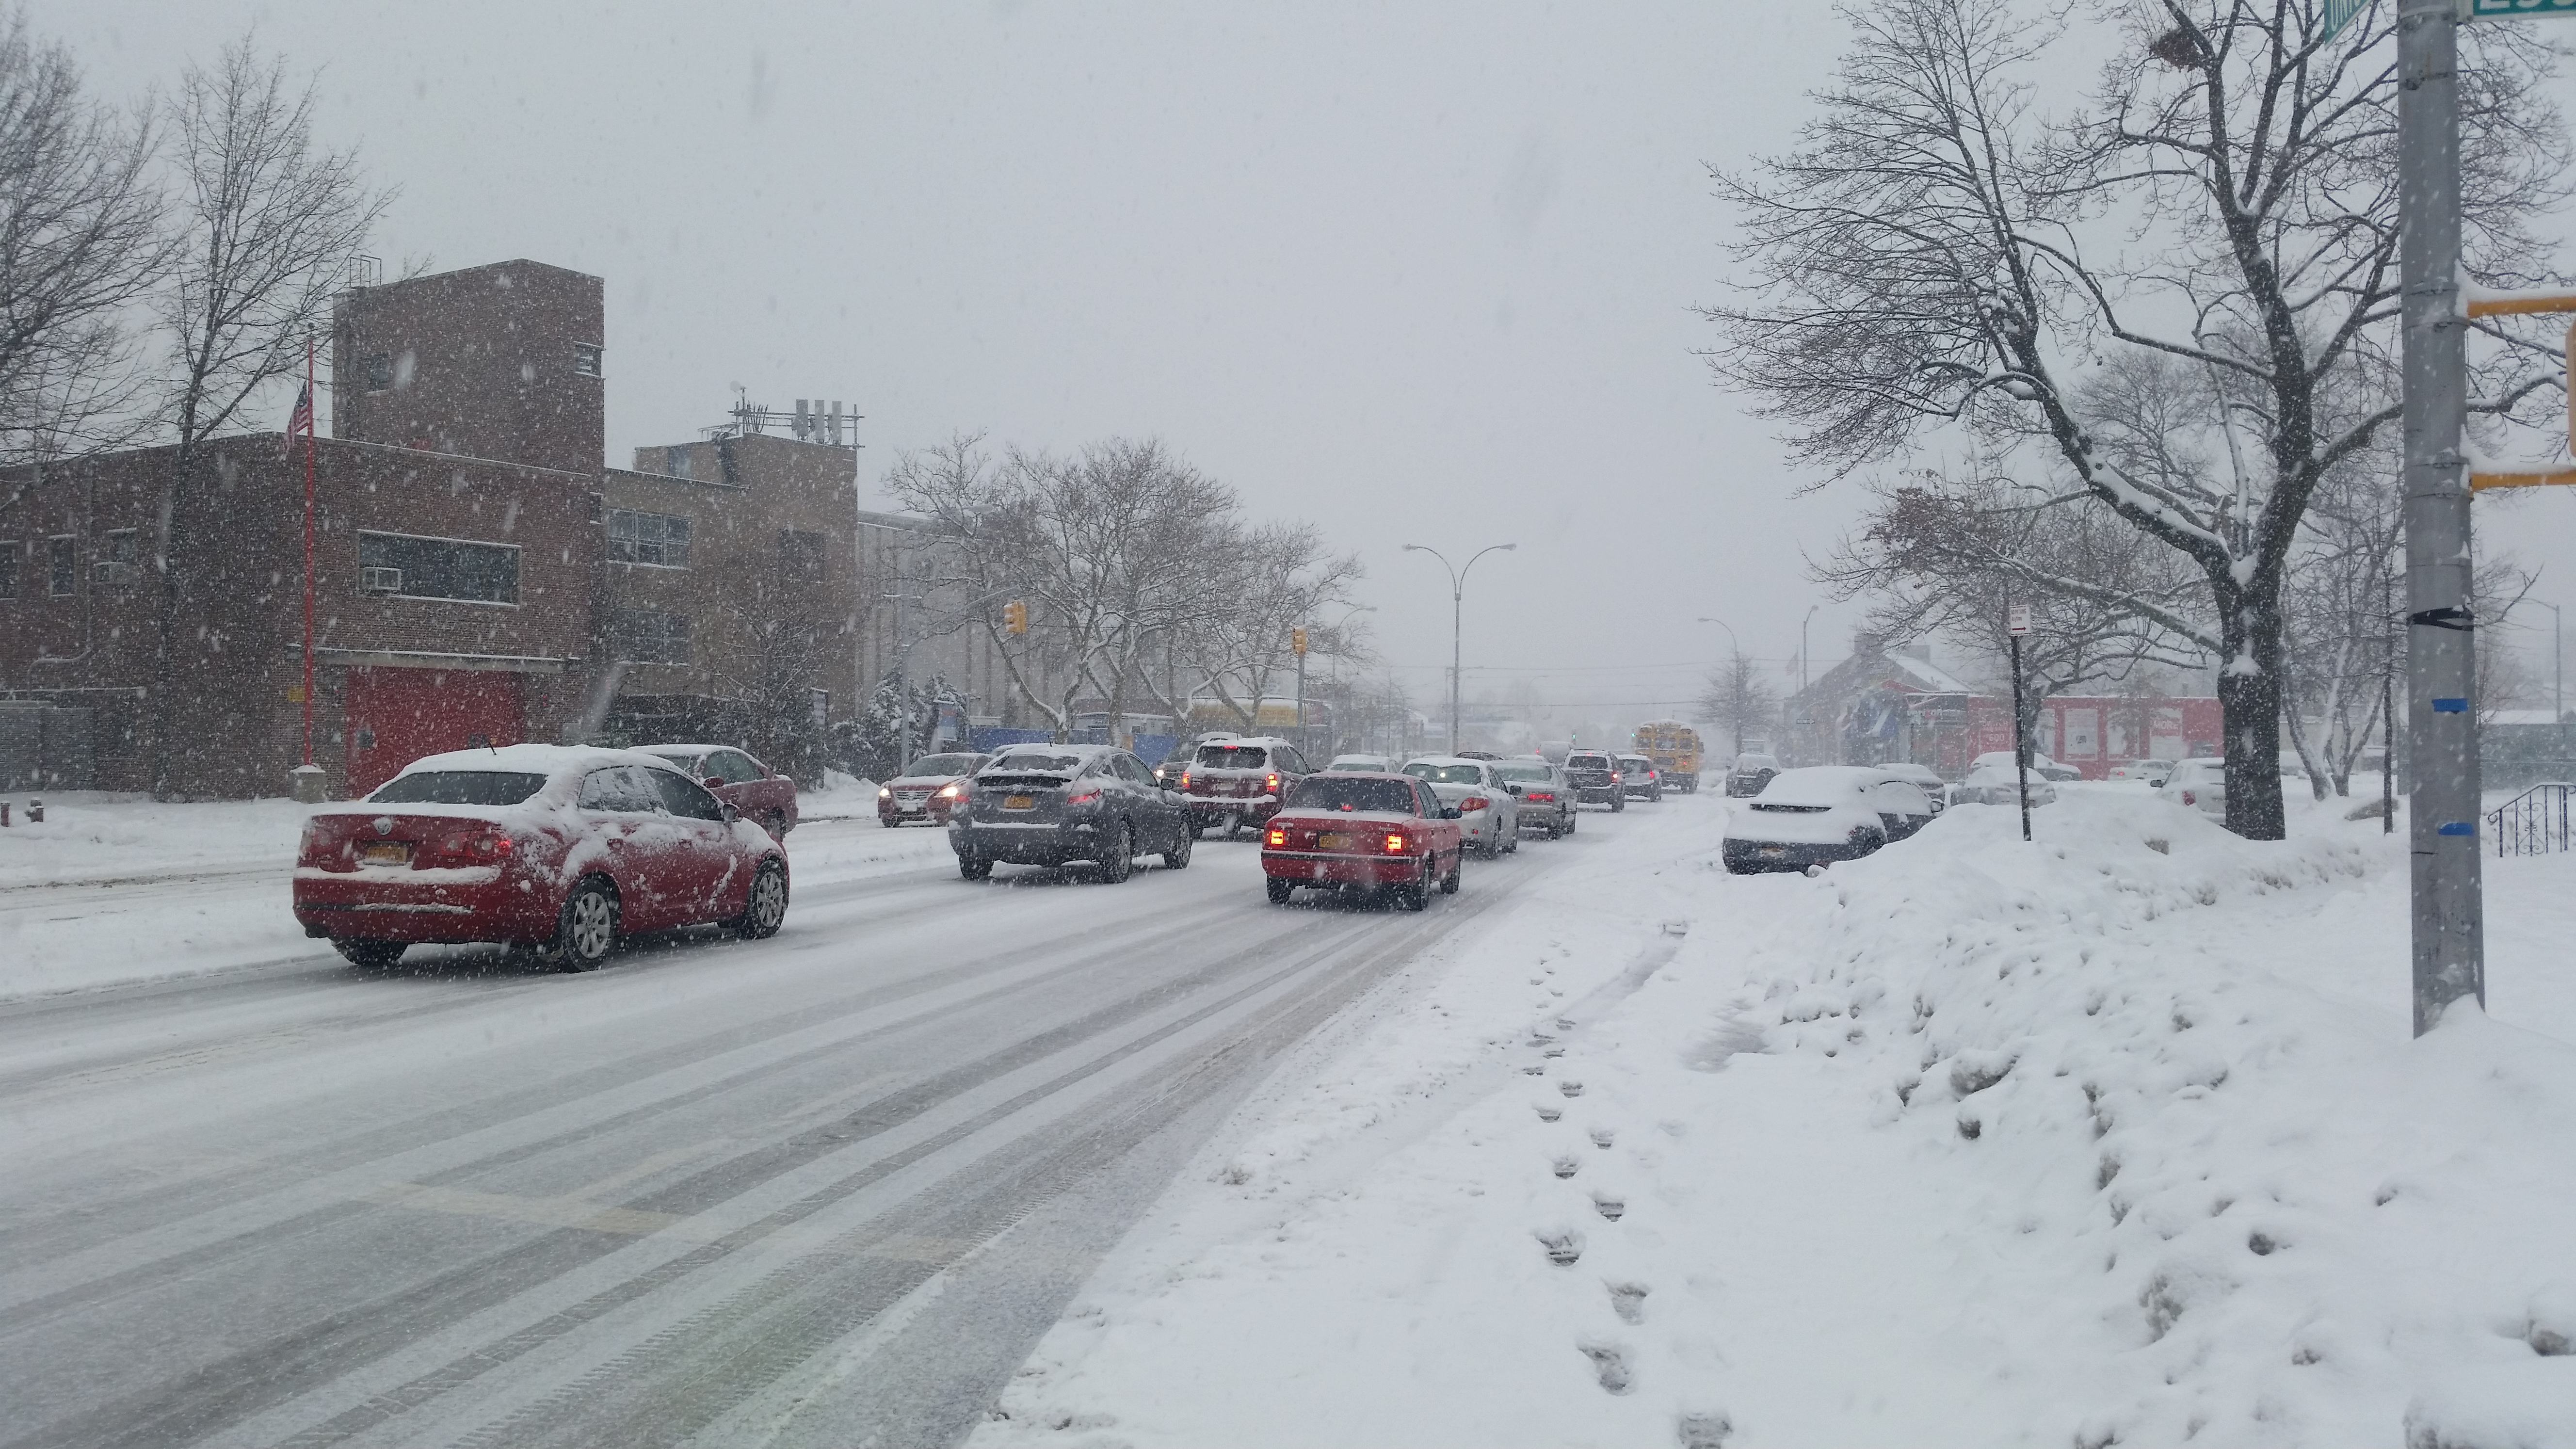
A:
2118	1138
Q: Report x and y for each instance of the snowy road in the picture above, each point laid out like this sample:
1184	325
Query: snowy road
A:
827	1188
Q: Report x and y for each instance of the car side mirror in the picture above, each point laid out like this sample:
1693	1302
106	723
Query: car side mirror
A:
1511	789
712	781
726	809
1452	812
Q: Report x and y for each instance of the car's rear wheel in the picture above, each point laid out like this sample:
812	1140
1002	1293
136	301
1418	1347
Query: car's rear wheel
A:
373	955
1178	857
1618	802
1119	861
1416	894
775	822
1279	890
1449	882
766	905
974	867
586	931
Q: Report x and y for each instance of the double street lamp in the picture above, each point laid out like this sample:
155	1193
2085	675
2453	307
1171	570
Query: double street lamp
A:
1457	612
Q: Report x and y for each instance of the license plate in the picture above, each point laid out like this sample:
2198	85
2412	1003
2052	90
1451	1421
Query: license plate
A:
1775	850
1019	802
1332	840
385	852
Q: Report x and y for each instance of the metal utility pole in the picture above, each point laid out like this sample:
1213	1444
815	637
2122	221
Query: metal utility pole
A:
1457	617
2016	624
2441	653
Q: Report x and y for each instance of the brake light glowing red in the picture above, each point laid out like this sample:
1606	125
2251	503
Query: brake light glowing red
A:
1396	845
1279	837
1271	783
1541	795
1085	798
1185	779
1474	802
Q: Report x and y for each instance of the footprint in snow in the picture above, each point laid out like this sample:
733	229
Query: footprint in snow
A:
1571	1089
1628	1300
1564	1246
1609	1365
1566	1167
1549	1111
1602	1137
1609	1207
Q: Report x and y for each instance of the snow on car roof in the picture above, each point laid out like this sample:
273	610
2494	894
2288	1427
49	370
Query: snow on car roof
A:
534	759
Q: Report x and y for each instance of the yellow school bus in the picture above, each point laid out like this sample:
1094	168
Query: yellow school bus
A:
1674	747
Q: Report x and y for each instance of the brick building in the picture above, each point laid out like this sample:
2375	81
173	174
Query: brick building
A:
478	572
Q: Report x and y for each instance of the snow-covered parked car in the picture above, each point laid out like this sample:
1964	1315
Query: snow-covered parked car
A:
1935	789
2200	784
765	797
1820	814
2001	785
1362	765
557	848
928	789
1489	814
2041	766
2154	772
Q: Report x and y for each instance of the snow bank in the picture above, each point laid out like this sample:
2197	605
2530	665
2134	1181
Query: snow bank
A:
2115	1138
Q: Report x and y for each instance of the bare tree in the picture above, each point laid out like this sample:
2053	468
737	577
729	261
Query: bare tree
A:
1934	252
1950	557
80	243
271	226
1739	696
1238	641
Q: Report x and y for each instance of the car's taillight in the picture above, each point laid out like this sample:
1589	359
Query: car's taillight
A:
1085	798
1396	845
1185	779
1614	777
492	846
2189	799
1271	783
1540	795
1279	837
1474	802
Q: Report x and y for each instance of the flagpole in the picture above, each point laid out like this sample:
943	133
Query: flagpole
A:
308	549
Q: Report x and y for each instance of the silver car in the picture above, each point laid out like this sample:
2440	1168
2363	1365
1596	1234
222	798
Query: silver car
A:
1545	797
1489	821
2199	783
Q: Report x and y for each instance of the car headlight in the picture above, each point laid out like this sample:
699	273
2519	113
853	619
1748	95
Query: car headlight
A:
885	792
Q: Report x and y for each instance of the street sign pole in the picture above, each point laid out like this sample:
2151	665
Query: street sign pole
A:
2441	665
2017	623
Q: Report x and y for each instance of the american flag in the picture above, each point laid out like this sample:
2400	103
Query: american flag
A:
301	420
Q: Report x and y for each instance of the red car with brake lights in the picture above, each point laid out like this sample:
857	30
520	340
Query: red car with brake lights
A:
1365	834
553	847
930	788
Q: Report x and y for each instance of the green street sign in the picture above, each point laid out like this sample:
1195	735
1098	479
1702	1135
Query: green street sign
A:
2339	13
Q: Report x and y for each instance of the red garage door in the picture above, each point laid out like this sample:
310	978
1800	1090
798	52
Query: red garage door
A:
398	715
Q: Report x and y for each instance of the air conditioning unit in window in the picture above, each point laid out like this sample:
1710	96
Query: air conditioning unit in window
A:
110	575
380	581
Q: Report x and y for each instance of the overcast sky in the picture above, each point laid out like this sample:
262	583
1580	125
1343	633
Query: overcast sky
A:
1418	273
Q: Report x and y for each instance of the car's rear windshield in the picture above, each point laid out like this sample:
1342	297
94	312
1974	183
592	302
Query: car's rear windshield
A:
1036	762
1327	792
1234	757
1587	762
1448	774
1362	764
1797	787
941	765
1521	772
459	787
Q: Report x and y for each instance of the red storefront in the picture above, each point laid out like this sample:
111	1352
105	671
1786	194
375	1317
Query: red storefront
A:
2091	733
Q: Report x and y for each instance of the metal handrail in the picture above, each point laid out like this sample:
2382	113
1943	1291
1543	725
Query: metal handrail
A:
2536	821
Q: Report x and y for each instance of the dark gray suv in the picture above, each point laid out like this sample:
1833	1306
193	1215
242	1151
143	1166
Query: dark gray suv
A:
1049	804
1595	776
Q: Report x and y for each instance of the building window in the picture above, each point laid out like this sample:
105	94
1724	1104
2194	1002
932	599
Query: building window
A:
121	546
659	539
800	556
675	461
380	372
8	568
649	636
62	564
438	568
585	359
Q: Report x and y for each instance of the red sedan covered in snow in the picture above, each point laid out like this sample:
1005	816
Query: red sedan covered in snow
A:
765	797
1364	834
556	848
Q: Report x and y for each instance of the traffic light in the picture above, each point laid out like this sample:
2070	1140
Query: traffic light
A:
1297	639
1015	617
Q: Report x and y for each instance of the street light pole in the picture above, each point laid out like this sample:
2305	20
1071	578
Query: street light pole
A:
1457	620
2441	658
